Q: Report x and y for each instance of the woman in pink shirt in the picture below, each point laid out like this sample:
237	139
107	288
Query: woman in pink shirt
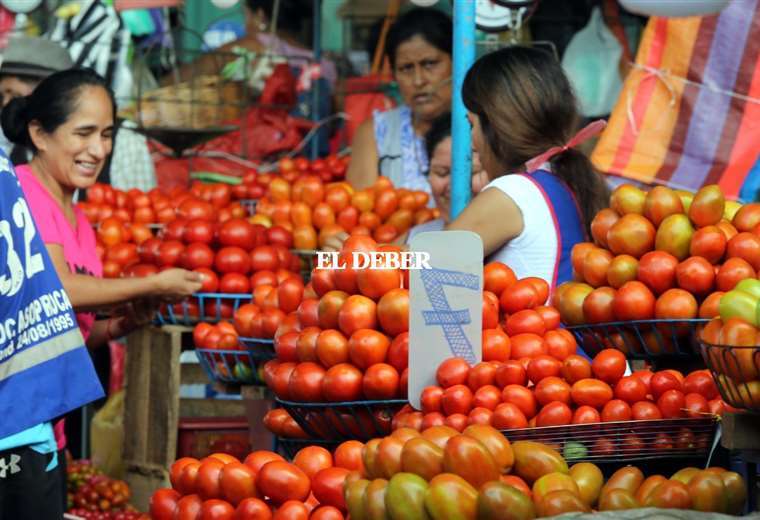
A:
68	123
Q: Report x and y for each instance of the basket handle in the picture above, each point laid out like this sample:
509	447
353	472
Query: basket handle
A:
390	16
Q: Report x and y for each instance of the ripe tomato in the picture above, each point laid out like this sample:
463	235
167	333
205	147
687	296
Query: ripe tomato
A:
357	312
456	399
633	301
282	481
232	260
237	482
695	275
381	381
170	253
657	269
520	295
163	504
306	345
430	399
497	277
595	265
585	415
329	308
393	311
367	347
645	411
521	397
560	344
527	320
663	381
234	283
487	396
616	410
700	382
552	389
482	374
270	321
709	307
331	348
209	280
602	223
374	283
453	371
597	307
631	389
236	232
696	406
264	258
207	483
527	345
398	352
550	315
543	366
279	236
708	242
578	255
327	486
286	347
510	372
746	246
349	455
609	365
676	304
307	312
554	414
496	345
632	234
671	403
313	459
591	392
575	368
733	271
507	416
253	509
342	382
281	380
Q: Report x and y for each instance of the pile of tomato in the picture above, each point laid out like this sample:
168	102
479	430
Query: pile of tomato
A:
315	210
263	485
661	254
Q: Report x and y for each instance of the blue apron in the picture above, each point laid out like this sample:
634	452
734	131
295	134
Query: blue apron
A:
45	369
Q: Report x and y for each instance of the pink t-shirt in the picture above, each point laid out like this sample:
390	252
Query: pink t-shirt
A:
78	243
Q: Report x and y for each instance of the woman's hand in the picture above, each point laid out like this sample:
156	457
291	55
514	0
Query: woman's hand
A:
335	242
176	284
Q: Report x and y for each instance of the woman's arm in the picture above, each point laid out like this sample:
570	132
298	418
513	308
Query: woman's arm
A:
89	292
363	169
138	314
494	216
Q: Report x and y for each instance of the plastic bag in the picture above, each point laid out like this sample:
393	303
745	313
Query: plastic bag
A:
106	435
591	62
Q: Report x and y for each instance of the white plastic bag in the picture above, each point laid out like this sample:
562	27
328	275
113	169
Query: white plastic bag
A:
591	62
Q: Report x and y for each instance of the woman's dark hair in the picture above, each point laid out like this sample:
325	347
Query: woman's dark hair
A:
439	130
432	25
50	104
290	15
526	105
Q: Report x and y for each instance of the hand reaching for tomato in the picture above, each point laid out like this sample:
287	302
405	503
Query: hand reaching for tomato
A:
173	285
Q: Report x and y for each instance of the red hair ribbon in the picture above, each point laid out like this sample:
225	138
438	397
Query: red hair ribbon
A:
591	130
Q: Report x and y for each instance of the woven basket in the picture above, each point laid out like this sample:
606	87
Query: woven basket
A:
204	102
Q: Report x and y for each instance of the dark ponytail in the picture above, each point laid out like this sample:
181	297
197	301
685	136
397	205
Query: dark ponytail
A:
15	122
591	192
50	104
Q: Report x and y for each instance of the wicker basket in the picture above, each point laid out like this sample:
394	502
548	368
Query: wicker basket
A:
200	103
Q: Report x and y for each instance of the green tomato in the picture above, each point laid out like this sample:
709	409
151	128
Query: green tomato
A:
739	304
749	286
574	450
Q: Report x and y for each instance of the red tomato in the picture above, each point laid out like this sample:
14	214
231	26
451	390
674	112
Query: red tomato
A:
631	389
575	368
398	352
663	381
672	403
496	345
676	304
507	416
633	301
497	277
701	382
163	504
381	381
327	486
616	410
597	306
550	315
552	389
521	397
487	396
560	343
696	406
313	459
291	510
234	283
201	231
591	392
453	371
520	295
527	320
430	399
695	275
554	414
331	348
290	294
207	483
482	374
232	260
329	308
282	481
746	246
526	345
342	382
264	258
456	399
543	366
586	415
209	279
645	411
367	347
733	271
170	253
357	312
279	236
306	382
490	310
393	311
609	365
510	372
657	269
708	242
349	455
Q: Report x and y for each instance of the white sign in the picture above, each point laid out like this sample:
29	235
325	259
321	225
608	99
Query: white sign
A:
446	305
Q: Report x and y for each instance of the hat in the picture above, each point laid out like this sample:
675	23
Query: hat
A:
36	57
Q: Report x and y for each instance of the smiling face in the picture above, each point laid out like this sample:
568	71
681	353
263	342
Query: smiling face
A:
440	176
423	74
75	152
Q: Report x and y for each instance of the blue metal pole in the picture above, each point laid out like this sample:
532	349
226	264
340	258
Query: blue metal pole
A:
315	85
461	154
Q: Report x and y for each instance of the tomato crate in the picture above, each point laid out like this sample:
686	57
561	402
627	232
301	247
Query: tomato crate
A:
641	339
340	421
736	371
208	307
289	447
240	367
625	441
199	437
